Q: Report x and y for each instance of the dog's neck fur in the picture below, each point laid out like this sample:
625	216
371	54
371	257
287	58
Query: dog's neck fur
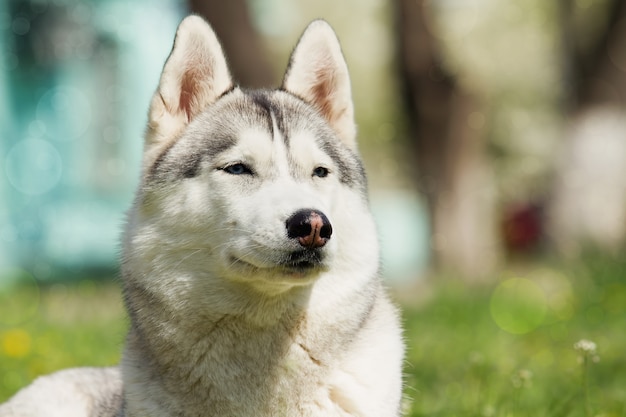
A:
196	364
177	363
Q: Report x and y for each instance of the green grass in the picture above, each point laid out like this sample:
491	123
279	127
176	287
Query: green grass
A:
460	362
44	329
503	349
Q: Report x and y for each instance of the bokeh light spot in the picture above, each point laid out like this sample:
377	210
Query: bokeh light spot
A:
20	26
559	294
16	343
518	306
33	166
65	111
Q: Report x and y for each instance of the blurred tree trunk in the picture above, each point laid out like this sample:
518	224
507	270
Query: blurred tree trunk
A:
588	205
596	74
447	144
242	45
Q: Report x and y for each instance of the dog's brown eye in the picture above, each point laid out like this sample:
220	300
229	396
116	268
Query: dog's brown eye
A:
320	172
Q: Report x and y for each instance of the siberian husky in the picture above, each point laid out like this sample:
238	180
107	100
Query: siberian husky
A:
250	257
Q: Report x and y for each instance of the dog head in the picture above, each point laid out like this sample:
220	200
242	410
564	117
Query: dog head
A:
264	187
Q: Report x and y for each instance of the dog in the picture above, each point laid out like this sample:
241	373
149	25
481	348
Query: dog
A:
250	258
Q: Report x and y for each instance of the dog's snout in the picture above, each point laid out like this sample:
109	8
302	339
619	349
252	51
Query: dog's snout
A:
311	227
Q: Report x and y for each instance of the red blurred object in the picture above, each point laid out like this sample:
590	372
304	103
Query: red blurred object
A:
522	227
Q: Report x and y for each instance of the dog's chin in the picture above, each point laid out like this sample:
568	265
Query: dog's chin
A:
295	267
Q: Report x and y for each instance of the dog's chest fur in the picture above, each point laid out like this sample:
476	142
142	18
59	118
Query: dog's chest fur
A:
229	366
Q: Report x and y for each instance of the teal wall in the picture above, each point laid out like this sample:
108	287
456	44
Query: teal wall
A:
76	78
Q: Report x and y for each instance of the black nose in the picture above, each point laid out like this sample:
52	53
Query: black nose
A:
310	227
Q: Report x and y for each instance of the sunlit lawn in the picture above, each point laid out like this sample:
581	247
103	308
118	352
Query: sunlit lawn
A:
460	361
43	329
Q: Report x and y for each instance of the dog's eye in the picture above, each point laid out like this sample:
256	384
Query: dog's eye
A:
320	172
237	169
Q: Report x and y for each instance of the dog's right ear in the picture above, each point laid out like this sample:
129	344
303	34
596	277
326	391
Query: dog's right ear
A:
318	74
194	76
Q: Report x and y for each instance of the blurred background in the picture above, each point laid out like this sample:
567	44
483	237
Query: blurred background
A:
489	130
493	134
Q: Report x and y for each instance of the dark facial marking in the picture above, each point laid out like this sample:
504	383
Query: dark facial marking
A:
191	165
267	106
351	171
159	161
283	112
183	157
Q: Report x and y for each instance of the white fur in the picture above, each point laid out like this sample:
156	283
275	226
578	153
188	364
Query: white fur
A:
68	393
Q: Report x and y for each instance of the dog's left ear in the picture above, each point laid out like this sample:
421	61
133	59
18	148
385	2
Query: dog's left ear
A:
318	74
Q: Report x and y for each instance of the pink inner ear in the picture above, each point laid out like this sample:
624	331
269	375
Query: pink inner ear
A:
185	101
190	90
322	92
